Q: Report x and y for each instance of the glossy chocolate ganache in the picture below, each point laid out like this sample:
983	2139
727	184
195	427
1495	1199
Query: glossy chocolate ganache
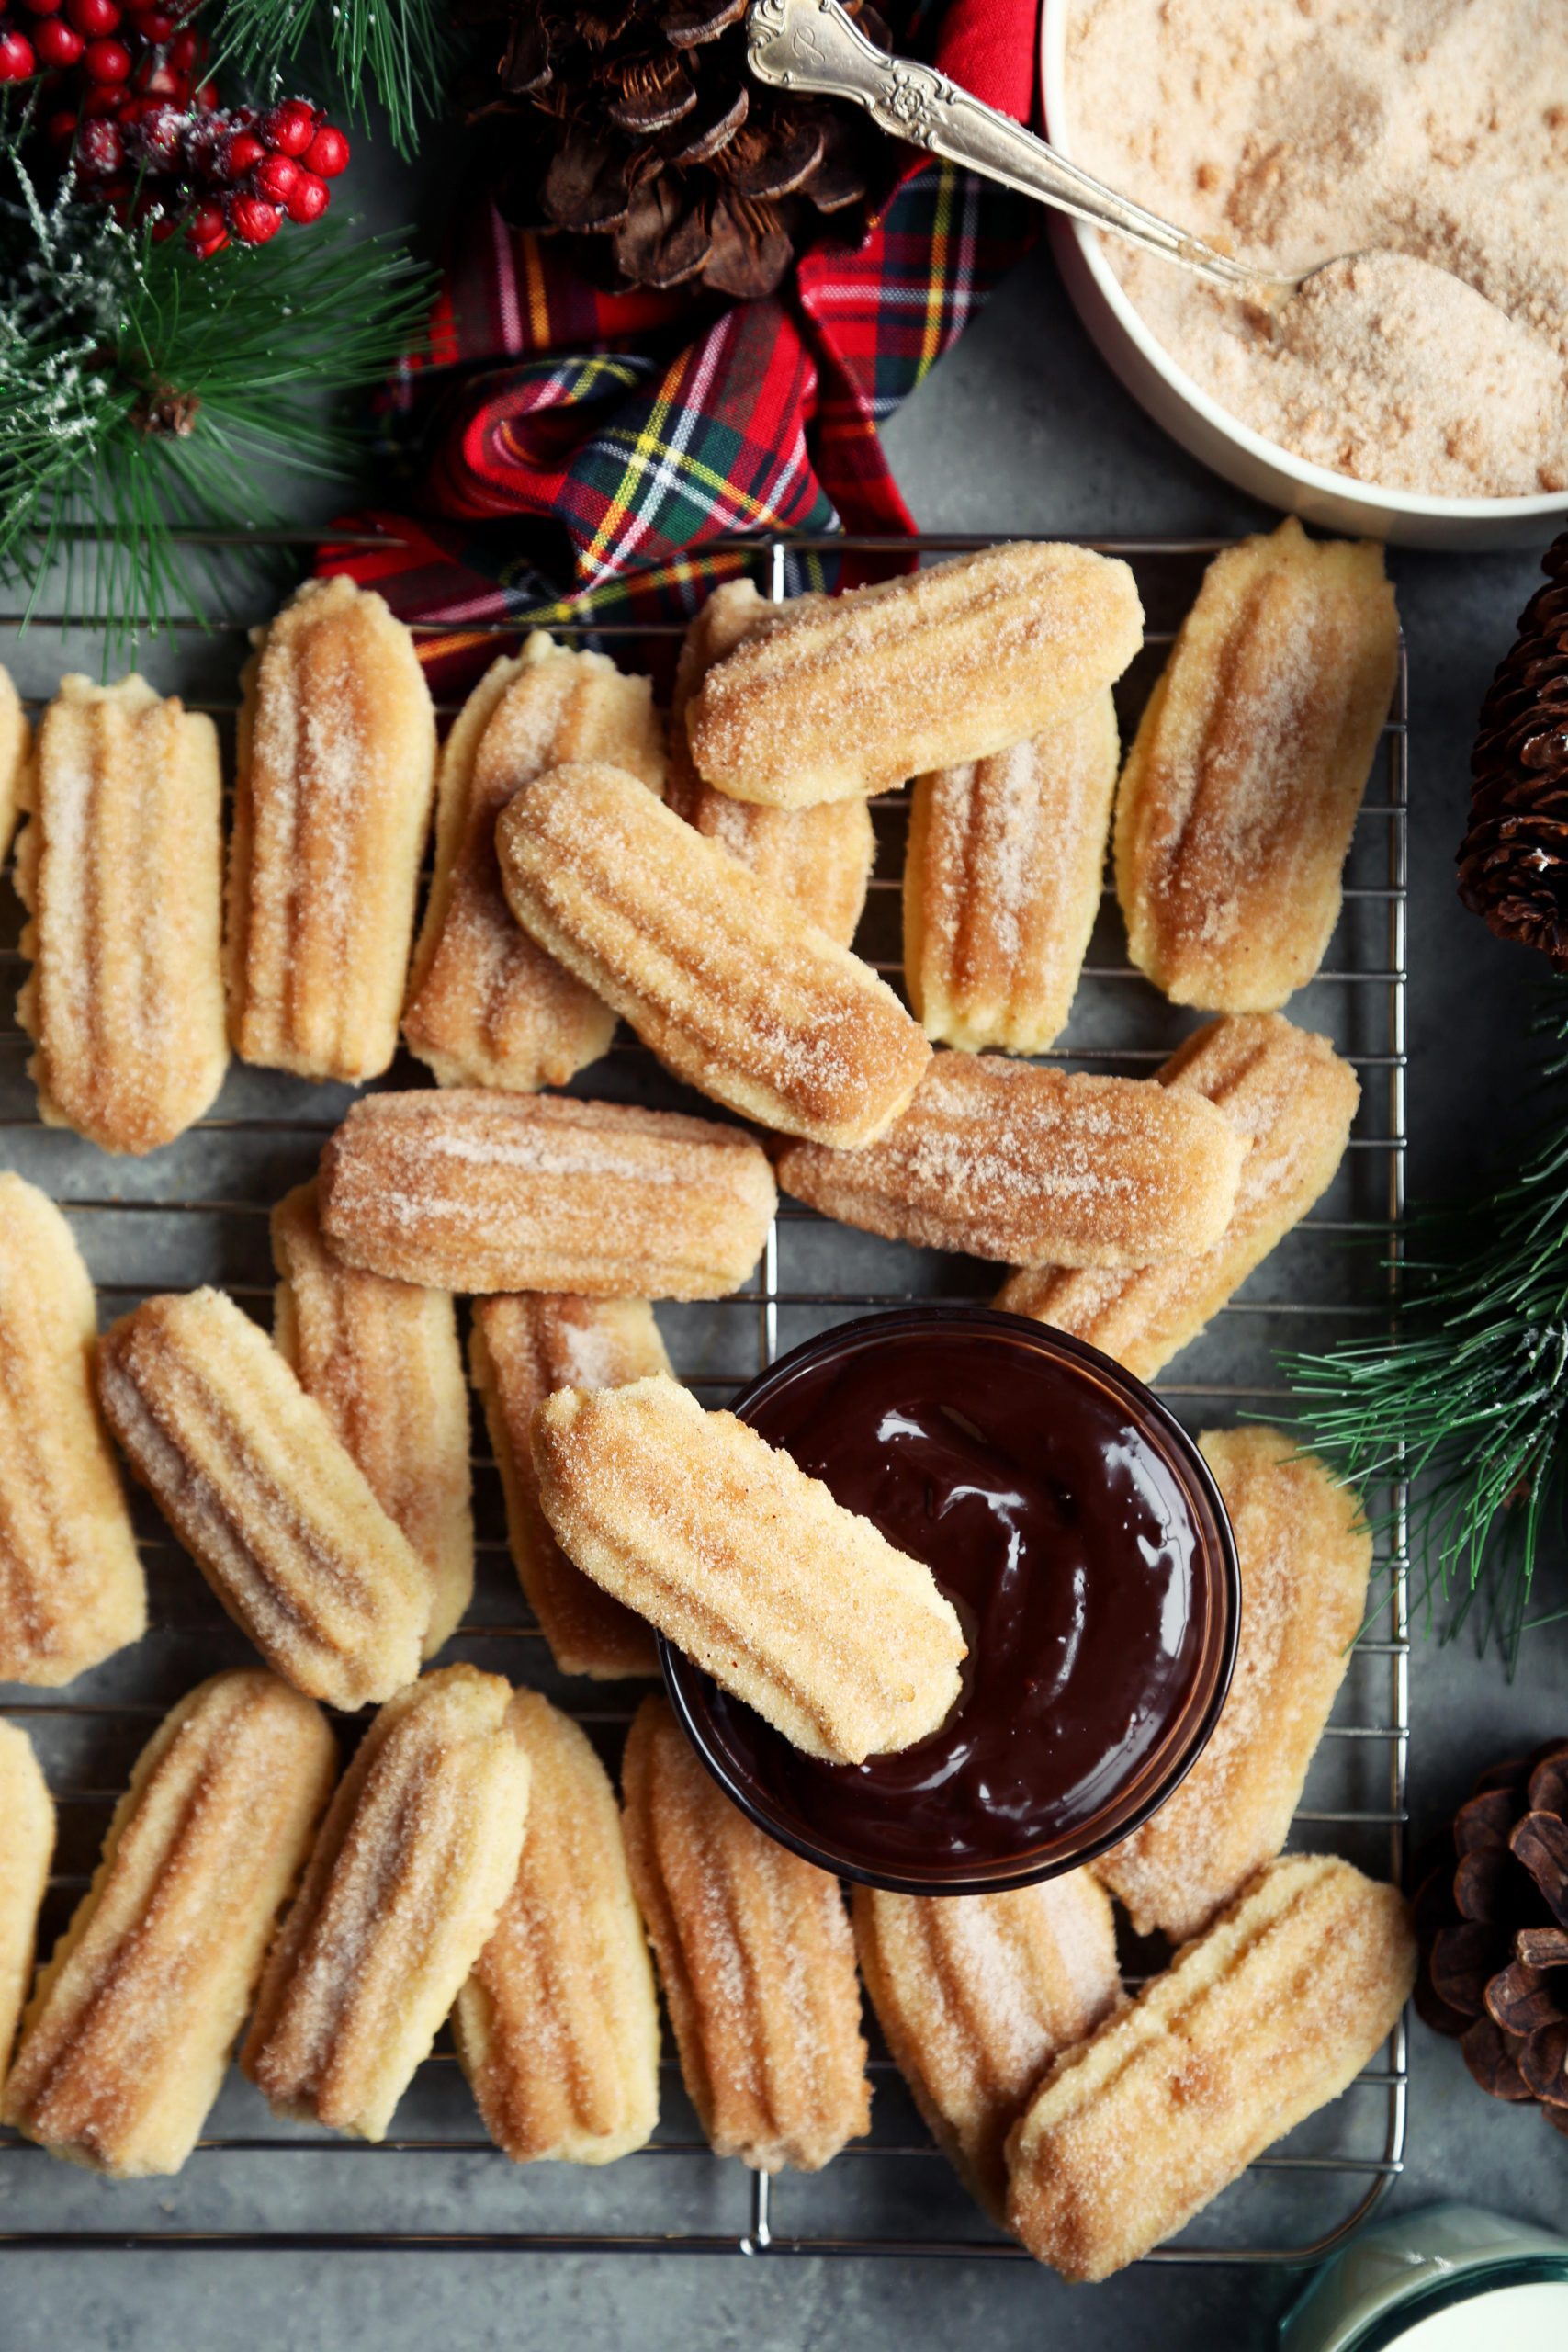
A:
1065	1522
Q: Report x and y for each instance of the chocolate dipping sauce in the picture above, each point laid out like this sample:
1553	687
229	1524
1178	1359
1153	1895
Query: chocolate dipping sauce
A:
1076	1532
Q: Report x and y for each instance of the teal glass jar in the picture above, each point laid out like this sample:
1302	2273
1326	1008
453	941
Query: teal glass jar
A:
1445	2278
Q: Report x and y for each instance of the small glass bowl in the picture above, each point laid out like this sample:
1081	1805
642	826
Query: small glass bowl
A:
1046	1358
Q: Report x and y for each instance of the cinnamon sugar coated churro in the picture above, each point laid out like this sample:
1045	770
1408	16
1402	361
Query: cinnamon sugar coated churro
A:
717	970
796	1605
849	693
521	1351
407	1879
976	1994
1260	2022
276	1514
1305	1556
382	1360
1003	1160
335	770
119	866
755	1957
558	2026
27	1849
1289	1091
486	1007
820	856
1002	881
129	2031
16	745
474	1190
72	1590
1240	791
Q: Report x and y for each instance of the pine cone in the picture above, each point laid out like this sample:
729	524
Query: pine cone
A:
1492	1916
636	121
1513	863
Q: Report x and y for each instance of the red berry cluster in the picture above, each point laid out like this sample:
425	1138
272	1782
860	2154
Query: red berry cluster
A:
128	114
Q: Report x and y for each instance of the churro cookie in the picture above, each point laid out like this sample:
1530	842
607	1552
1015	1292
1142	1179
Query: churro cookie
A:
755	1957
120	868
129	2031
557	2025
72	1590
800	1608
16	745
716	969
336	768
27	1849
1238	796
485	1006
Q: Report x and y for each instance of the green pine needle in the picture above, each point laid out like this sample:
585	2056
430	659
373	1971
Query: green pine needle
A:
400	48
107	342
1468	1396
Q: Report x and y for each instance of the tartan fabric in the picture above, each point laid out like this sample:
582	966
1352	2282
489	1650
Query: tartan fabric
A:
631	431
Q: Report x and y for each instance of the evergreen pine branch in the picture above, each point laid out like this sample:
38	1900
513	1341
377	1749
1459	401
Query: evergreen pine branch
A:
1468	1397
400	48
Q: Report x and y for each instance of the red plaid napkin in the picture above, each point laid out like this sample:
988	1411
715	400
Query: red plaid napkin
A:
542	398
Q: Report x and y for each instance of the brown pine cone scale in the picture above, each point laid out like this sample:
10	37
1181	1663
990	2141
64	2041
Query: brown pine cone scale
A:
1512	862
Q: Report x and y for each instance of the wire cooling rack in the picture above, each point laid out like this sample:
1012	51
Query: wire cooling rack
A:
196	1212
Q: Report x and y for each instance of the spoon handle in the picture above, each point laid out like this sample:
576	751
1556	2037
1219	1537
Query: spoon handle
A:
811	46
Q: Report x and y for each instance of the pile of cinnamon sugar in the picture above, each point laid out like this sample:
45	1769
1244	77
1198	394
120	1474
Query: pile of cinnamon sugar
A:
1433	131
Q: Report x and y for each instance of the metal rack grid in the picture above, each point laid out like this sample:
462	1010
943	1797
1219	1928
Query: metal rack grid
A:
200	1213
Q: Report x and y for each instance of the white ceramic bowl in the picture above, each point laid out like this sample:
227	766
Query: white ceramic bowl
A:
1188	413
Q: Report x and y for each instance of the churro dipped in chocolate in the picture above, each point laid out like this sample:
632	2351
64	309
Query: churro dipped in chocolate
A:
1288	1091
129	2031
976	1994
382	1360
821	858
16	746
1002	881
846	695
474	1190
273	1508
486	1007
1305	1554
402	1892
716	969
798	1607
27	1849
1257	2024
557	2025
521	1351
72	1590
1002	1159
336	767
1240	791
755	1957
119	866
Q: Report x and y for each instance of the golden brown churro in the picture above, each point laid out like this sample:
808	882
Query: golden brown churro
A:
277	1515
336	767
382	1360
407	1880
847	694
1289	1091
474	1190
717	971
523	1349
799	1607
1003	1160
821	856
1305	1556
1257	2025
486	1007
129	2031
120	866
558	2026
976	1994
1240	791
16	746
27	1849
755	1957
71	1591
1002	881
